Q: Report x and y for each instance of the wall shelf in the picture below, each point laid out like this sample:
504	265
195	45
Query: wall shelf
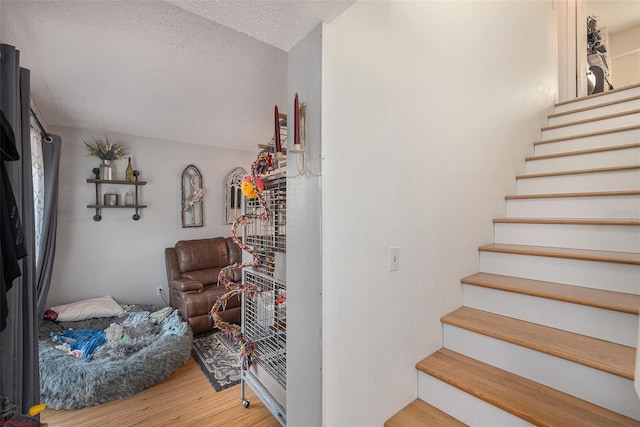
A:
115	181
118	206
98	206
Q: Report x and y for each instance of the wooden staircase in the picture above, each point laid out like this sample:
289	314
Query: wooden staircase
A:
548	330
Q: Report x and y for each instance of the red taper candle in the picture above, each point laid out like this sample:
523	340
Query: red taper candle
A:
277	132
296	121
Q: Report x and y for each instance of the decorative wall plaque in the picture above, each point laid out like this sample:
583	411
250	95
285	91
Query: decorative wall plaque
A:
233	194
192	198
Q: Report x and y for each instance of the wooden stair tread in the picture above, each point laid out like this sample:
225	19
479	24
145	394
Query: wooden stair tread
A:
597	95
528	400
588	134
591	119
605	356
579	152
570	221
564	195
568	253
593	107
578	171
599	298
420	414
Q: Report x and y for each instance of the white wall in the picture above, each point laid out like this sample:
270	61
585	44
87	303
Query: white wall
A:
567	59
428	110
624	51
119	256
304	245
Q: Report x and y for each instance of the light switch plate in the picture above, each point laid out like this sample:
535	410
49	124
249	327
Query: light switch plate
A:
394	258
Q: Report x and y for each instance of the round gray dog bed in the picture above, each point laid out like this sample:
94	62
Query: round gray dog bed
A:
117	369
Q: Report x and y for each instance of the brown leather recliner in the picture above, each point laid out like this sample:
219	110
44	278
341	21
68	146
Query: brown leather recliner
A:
192	269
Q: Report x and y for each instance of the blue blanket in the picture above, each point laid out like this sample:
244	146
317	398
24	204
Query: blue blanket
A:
84	340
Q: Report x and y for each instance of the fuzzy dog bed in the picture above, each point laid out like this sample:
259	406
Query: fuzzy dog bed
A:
148	354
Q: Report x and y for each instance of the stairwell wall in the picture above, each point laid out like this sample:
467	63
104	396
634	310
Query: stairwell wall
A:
625	56
428	110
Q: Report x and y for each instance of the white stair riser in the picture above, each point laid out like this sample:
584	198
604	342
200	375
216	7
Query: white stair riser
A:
603	159
608	325
600	388
602	207
616	238
588	142
597	100
593	126
590	274
631	104
462	406
578	183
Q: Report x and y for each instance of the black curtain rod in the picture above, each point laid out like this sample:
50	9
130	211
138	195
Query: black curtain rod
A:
47	138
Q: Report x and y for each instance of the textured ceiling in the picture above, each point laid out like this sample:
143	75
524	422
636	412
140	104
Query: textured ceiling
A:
153	69
204	71
616	15
280	23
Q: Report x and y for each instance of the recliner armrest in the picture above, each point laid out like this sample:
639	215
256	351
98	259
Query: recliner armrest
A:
186	285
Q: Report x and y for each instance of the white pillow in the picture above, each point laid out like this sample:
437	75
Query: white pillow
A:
86	309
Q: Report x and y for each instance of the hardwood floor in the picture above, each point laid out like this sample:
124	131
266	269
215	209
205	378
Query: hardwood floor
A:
185	399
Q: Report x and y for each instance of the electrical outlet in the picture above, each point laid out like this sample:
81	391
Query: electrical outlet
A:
159	290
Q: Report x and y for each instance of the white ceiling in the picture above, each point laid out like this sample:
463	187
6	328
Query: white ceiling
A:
205	72
616	15
197	71
280	23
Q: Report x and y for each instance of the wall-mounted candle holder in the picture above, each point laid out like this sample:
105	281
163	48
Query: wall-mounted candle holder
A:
299	133
280	125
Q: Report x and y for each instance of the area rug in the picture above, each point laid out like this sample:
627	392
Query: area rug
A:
218	357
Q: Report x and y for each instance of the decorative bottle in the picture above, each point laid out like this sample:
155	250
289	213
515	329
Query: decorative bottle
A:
129	173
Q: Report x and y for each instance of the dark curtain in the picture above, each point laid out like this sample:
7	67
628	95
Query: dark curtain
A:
51	158
19	372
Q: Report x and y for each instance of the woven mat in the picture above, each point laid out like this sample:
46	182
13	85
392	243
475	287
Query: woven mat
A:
218	357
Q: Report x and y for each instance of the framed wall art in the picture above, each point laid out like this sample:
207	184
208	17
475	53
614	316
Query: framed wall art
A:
233	194
192	198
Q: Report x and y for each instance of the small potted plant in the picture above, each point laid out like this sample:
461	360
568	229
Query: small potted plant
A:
106	151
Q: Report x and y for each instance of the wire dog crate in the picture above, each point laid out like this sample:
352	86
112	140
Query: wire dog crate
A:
264	317
268	238
265	323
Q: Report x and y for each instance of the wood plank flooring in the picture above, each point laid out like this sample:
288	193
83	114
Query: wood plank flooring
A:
185	399
593	119
568	253
597	95
608	300
606	356
579	152
578	171
533	402
420	414
588	134
568	221
593	107
567	195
